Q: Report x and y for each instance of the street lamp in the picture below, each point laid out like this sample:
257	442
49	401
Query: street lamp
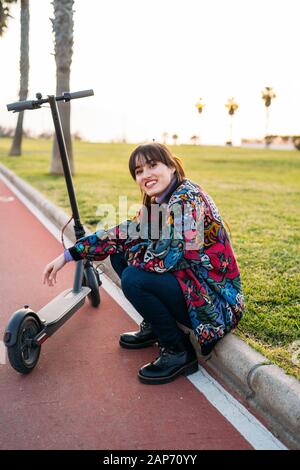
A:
231	106
199	105
267	95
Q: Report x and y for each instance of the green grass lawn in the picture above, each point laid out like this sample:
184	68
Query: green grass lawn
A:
258	194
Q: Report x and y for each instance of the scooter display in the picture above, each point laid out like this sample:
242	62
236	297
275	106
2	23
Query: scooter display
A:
28	330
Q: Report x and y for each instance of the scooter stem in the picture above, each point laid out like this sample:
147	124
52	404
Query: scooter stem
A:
77	283
78	227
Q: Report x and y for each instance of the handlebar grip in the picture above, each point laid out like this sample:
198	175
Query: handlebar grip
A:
20	106
78	94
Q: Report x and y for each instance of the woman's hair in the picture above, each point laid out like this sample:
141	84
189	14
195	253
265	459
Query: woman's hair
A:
155	152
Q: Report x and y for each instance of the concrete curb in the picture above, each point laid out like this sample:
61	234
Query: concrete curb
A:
274	394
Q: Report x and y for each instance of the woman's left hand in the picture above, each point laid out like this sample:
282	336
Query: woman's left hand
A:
52	268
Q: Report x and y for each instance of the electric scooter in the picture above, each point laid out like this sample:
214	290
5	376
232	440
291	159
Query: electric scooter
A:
28	330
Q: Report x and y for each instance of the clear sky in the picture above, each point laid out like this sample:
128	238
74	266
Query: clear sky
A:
149	61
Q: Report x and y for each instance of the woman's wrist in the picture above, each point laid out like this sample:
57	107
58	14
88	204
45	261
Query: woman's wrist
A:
67	256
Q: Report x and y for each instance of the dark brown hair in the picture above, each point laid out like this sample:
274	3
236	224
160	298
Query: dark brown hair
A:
155	152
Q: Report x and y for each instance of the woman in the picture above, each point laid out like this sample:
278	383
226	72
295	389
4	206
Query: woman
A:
175	262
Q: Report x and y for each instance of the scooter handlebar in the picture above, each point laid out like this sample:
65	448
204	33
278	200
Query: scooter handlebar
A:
77	94
20	106
35	104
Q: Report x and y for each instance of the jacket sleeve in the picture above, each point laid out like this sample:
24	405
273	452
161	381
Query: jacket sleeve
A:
184	228
101	244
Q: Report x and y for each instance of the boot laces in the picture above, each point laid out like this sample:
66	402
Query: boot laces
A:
165	352
144	325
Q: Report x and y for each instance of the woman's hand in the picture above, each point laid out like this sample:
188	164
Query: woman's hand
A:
52	268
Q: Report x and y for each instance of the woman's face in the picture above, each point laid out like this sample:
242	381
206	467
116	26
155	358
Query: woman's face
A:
153	177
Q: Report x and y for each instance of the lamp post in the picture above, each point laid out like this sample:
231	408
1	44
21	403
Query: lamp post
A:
231	106
165	136
199	105
267	95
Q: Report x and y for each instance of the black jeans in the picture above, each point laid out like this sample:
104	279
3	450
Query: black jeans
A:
157	297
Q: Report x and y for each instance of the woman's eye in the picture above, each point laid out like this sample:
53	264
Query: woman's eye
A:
137	172
153	164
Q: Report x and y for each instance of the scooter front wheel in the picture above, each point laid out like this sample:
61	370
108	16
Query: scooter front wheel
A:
24	354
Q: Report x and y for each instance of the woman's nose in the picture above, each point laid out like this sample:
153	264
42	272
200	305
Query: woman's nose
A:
146	172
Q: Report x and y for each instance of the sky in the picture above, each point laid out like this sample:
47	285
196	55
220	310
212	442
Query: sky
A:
150	61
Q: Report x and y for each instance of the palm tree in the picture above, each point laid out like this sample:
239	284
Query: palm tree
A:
4	14
267	95
16	148
199	105
194	139
231	106
175	138
62	25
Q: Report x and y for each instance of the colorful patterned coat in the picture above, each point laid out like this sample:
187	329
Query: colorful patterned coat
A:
208	273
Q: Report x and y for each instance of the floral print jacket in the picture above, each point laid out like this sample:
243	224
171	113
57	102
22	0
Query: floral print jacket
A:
205	267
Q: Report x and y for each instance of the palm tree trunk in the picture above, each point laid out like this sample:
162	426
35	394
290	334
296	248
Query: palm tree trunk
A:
62	25
230	128
267	141
16	148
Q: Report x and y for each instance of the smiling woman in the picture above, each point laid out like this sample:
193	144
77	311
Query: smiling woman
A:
188	276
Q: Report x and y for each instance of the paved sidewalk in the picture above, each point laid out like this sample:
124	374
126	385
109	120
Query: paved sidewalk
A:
84	393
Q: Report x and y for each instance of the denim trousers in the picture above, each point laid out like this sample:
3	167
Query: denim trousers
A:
157	297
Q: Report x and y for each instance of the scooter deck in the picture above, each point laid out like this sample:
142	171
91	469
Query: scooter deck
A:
63	304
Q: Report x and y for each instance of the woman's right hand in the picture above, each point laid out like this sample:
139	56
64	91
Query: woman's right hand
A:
52	268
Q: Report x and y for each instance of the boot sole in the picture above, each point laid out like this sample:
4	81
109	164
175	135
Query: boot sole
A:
188	369
146	344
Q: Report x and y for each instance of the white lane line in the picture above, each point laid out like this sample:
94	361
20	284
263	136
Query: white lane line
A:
240	418
3	359
247	425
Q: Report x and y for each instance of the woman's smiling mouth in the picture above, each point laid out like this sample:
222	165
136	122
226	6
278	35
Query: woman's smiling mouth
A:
150	184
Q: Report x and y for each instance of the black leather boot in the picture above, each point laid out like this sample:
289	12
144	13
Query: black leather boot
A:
175	360
139	339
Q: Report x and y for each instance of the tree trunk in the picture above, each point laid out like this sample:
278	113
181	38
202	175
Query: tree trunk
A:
62	25
16	148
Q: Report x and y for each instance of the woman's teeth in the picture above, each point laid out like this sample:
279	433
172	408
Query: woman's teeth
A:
150	184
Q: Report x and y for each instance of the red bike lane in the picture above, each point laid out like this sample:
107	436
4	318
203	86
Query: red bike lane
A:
84	392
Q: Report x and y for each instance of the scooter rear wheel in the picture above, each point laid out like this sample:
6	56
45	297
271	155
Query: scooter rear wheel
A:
24	354
91	279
